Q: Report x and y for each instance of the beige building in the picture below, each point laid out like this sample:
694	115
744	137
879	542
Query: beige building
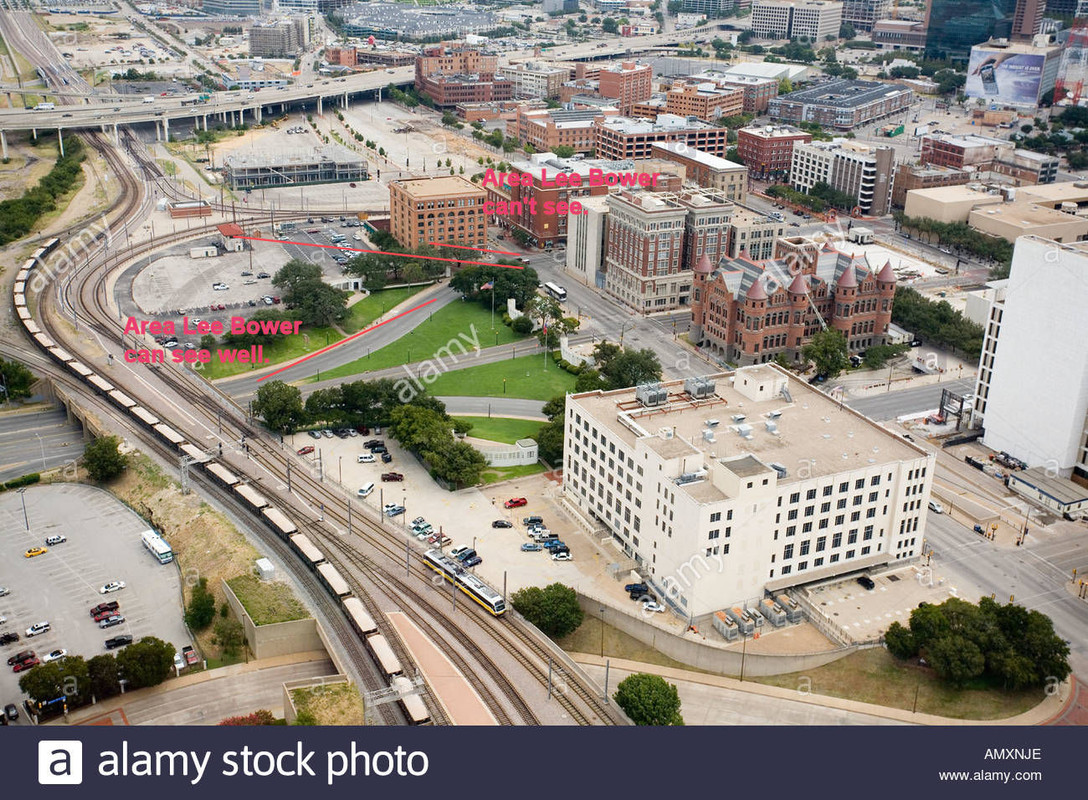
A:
447	210
818	20
948	203
535	81
709	171
1011	220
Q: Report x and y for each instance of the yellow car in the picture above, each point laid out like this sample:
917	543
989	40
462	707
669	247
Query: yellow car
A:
35	551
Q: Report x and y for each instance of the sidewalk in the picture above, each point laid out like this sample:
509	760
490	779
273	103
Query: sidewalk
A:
114	704
1051	708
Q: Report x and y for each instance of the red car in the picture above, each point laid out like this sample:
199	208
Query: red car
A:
303	451
101	615
515	502
22	666
392	476
111	606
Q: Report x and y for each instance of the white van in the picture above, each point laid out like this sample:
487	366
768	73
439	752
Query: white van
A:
366	490
149	99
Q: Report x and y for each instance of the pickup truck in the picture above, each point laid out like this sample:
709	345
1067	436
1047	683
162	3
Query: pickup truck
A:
190	655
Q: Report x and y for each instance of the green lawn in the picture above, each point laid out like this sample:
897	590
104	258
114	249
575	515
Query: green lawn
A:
286	349
370	308
495	474
525	377
464	323
502	429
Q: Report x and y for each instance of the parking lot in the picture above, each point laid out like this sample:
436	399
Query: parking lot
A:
61	585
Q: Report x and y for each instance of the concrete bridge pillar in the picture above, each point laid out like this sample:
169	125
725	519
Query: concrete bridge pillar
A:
320	109
3	145
257	114
60	140
116	138
166	129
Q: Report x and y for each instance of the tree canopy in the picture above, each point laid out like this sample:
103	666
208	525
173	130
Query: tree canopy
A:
146	663
649	700
314	301
103	458
280	405
936	322
553	609
827	350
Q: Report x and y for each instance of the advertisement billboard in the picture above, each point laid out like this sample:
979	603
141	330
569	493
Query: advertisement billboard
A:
1011	79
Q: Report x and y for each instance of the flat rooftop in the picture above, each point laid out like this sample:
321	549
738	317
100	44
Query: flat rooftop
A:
844	94
698	156
450	186
1026	215
1068	192
810	428
259	159
664	122
1060	489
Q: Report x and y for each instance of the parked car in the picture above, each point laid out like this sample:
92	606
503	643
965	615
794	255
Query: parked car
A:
562	556
458	551
37	629
936	507
386	457
35	551
8	638
515	502
395	512
653	605
443	541
533	520
531	547
4	591
314	434
110	621
867	582
55	655
305	451
394	477
113	605
472	561
502	523
22	666
467	553
59	538
118	641
636	587
112	586
25	655
11	712
327	433
263	275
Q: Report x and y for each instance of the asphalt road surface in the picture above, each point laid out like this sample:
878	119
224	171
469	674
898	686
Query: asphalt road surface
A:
907	401
494	406
36	442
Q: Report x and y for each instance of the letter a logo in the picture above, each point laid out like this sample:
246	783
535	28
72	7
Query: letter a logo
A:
60	762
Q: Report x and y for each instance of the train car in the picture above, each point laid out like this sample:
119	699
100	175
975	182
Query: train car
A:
193	452
333	581
23	275
302	545
279	522
480	592
122	399
223	475
62	355
41	251
44	341
100	384
170	435
363	623
20	293
384	654
410	701
80	369
252	498
24	315
51	245
144	416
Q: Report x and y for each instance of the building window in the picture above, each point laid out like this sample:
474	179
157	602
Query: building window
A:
786	569
787	553
716	516
714	534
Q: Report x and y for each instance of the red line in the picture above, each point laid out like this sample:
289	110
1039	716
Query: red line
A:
344	341
478	249
382	252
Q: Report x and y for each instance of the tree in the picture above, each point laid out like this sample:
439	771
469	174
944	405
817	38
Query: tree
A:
67	678
553	609
675	6
103	676
955	658
295	273
649	700
589	380
827	350
632	367
247	339
900	641
207	342
319	304
564	150
260	717
609	25
16	379
229	636
148	662
103	459
280	405
201	609
846	31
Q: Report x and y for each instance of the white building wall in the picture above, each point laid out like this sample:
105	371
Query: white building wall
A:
1038	394
585	236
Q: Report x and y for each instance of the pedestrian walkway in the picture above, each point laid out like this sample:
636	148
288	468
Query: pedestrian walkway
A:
1049	709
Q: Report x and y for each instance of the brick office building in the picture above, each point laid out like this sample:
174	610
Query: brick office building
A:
620	138
447	210
703	101
767	150
454	74
546	129
748	311
626	83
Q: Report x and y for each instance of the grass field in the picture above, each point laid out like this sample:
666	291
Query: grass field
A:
502	429
525	377
335	704
370	308
464	322
875	676
286	349
267	603
495	474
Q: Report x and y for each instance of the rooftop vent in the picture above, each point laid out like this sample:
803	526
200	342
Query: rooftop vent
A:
739	418
780	469
699	388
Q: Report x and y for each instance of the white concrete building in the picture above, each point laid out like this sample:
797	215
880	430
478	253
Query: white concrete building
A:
864	172
1032	390
585	241
726	487
818	20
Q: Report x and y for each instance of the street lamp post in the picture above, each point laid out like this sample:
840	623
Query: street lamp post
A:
26	519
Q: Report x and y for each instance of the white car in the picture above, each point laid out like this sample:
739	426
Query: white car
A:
38	628
650	605
562	557
220	287
112	586
458	550
56	655
366	458
4	591
936	507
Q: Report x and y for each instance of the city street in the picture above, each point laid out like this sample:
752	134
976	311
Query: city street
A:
908	401
37	441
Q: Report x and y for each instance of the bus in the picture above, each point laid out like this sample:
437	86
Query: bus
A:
158	546
556	291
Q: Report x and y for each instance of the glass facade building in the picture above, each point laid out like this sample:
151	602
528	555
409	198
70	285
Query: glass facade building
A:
954	26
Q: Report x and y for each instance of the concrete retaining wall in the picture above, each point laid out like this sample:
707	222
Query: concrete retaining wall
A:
290	713
703	654
281	638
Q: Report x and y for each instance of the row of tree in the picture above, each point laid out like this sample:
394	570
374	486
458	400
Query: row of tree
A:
960	236
19	214
936	322
144	663
1005	644
429	433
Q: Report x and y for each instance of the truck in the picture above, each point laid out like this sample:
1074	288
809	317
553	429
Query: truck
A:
149	99
45	107
190	655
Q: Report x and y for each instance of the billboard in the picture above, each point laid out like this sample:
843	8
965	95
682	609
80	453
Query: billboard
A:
1011	79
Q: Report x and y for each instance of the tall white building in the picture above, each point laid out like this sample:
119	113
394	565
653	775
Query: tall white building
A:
1032	389
726	487
585	241
816	20
866	173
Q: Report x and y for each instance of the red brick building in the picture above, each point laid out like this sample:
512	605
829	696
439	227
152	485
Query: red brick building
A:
622	138
546	129
451	75
767	150
749	311
626	83
703	101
